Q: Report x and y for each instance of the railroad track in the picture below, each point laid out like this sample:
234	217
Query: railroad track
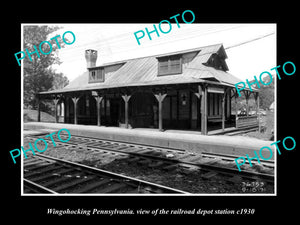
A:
169	159
45	174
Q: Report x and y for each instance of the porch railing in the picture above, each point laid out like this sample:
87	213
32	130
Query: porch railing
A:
246	121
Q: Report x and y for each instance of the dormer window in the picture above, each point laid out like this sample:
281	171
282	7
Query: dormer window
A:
169	65
96	75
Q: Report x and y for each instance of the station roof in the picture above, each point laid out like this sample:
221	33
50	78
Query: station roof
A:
143	72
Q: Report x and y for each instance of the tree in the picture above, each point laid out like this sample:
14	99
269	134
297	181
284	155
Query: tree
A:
266	95
38	74
59	81
266	92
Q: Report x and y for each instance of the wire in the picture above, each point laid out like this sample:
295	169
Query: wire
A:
194	30
117	38
246	42
192	33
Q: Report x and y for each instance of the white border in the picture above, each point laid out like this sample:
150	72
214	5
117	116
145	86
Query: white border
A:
183	195
22	112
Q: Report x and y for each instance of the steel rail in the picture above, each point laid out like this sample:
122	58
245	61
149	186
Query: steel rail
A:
119	177
269	163
223	170
220	169
37	187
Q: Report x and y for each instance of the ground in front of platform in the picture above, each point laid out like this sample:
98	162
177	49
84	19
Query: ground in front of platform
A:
188	180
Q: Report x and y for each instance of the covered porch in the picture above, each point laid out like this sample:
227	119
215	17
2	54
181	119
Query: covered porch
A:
204	108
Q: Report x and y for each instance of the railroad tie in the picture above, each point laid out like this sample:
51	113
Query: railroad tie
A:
95	144
195	159
133	159
210	161
48	170
94	185
155	153
39	165
185	156
121	156
188	170
170	167
137	150
144	162
235	180
56	181
30	160
35	165
123	147
104	145
113	188
73	183
145	151
50	174
209	175
156	164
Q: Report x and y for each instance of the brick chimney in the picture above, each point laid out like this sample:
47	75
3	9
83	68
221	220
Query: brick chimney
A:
91	57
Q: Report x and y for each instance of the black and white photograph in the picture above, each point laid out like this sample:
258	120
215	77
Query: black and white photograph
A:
156	114
163	118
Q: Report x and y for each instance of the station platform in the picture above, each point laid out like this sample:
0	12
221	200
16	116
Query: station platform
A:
190	141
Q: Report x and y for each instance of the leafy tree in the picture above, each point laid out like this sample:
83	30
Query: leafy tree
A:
266	96
59	81
38	74
267	92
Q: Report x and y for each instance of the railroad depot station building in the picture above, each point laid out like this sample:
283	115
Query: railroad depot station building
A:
183	90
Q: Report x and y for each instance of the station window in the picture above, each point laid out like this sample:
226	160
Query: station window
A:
169	65
96	75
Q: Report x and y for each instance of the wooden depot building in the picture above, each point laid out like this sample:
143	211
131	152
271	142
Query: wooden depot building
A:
183	90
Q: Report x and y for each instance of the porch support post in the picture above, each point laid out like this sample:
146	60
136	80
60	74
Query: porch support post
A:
247	94
160	97
223	109
38	108
198	95
55	100
256	96
204	110
126	100
75	100
236	109
98	102
202	95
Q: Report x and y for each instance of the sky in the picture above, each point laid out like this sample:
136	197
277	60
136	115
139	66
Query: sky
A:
115	42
